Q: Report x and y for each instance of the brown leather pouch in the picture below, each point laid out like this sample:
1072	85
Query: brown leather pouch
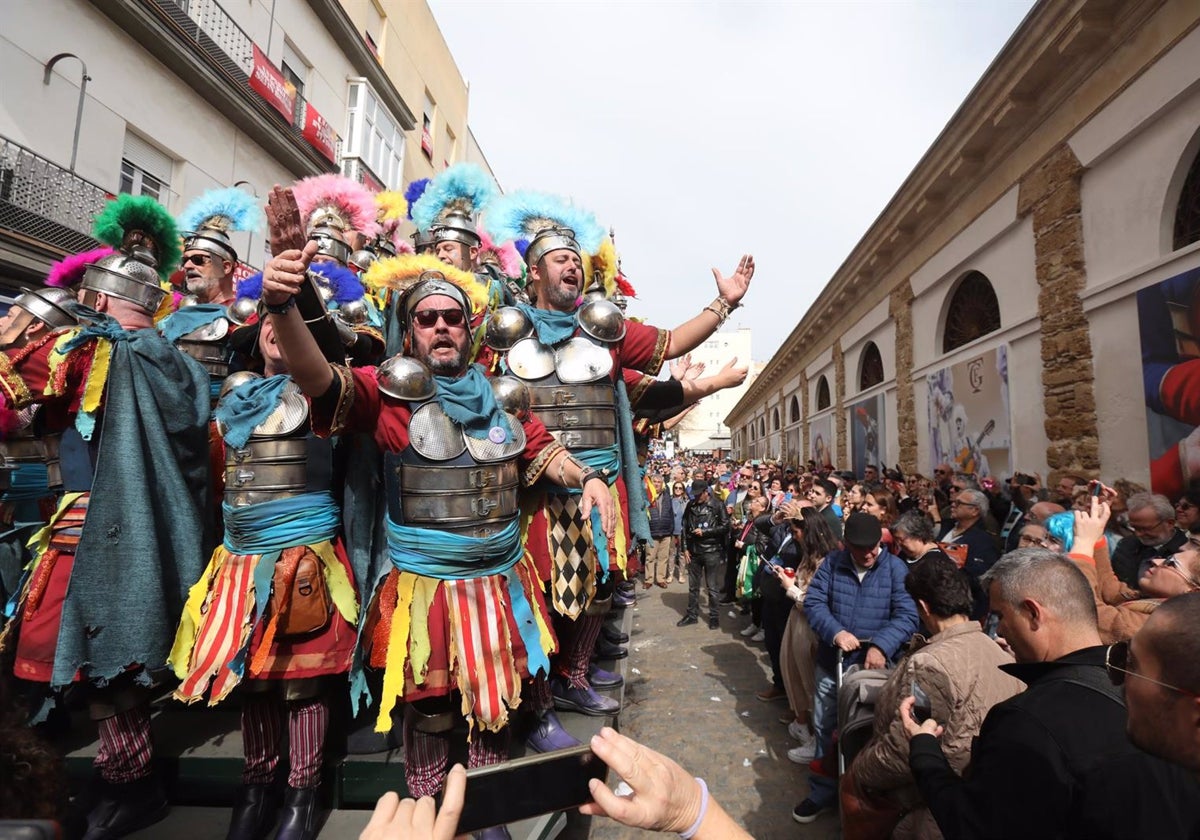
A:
305	606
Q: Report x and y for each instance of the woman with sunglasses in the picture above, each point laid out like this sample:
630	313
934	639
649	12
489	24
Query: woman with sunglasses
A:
1187	510
1171	576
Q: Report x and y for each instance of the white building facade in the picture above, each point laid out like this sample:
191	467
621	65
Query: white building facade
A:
704	426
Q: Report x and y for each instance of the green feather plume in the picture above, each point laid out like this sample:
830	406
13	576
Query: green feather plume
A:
139	212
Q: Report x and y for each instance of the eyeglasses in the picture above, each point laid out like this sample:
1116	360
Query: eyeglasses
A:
1175	565
1118	662
941	472
1184	504
429	317
961	503
197	259
1145	529
1025	539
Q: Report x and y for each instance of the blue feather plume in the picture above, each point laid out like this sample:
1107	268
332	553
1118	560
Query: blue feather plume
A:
413	193
345	285
251	287
461	181
508	218
238	206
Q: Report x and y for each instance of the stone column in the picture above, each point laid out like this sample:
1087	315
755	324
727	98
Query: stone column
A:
839	407
1051	193
900	311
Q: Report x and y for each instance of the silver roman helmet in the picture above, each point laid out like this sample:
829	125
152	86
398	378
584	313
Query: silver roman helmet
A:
330	241
432	283
211	240
449	205
456	226
47	305
549	239
213	215
127	276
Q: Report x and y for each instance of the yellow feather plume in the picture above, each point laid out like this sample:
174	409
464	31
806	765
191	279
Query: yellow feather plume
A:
604	263
392	206
398	274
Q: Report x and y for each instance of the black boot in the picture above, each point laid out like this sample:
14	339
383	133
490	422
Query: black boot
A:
125	808
255	813
299	814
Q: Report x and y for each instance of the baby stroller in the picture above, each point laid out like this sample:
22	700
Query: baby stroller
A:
857	692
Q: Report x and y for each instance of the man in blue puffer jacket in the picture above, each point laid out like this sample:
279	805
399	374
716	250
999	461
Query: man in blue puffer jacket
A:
857	593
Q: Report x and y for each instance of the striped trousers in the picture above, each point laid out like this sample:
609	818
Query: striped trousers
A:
308	721
427	754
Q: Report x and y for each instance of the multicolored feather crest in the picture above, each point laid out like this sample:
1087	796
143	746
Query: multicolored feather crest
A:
338	201
520	215
505	257
345	285
602	266
392	211
250	287
398	274
464	187
413	193
625	287
226	209
69	271
128	213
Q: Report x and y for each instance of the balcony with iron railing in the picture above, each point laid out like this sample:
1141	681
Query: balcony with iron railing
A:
213	33
43	202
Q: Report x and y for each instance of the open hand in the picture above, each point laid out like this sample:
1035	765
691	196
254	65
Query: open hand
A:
285	228
665	798
731	376
733	288
596	494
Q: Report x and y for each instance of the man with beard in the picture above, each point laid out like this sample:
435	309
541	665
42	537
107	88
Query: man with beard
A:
456	580
574	354
1155	535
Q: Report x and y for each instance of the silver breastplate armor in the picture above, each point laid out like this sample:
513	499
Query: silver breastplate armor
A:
280	459
570	389
449	481
209	345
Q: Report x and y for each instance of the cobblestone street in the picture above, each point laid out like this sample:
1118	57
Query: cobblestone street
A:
692	698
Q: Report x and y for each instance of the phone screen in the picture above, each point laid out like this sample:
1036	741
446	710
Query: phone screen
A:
511	791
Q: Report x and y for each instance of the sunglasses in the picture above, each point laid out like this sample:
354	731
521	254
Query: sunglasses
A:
197	259
429	317
1175	565
1118	662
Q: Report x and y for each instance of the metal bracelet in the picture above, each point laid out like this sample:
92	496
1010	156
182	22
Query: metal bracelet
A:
282	308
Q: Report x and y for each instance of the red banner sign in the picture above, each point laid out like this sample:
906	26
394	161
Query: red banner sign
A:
319	133
271	86
368	179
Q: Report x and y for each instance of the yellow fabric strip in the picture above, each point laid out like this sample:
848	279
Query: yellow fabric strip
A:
340	589
97	376
189	623
532	584
419	646
619	536
58	358
393	673
40	541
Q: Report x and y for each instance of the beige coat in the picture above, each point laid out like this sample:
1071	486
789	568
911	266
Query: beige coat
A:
959	671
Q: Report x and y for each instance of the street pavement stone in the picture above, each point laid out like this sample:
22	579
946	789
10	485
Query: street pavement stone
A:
692	698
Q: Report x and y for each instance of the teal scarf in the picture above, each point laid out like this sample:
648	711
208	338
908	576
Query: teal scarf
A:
468	400
189	319
242	409
553	327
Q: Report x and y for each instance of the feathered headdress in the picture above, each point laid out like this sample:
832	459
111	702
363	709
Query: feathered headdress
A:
546	222
505	257
69	271
226	209
413	193
392	211
604	267
396	275
342	282
338	202
132	220
457	194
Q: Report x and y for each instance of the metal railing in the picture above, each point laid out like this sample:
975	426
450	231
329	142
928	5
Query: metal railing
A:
218	35
42	200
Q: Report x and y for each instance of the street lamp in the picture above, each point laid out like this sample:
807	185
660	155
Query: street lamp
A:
84	78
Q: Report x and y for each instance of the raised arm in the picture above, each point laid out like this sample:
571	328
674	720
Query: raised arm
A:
730	291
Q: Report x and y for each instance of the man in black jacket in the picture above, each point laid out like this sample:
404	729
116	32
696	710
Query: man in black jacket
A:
705	529
1054	761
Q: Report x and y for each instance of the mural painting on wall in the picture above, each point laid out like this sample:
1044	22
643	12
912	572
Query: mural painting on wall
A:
820	440
968	415
867	434
791	452
1169	321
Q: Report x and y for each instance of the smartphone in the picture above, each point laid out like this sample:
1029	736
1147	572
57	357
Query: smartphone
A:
1097	487
505	793
923	709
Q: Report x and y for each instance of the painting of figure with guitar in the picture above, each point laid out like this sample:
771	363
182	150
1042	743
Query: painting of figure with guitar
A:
968	415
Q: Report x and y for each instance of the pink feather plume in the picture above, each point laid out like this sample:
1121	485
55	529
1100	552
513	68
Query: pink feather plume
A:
507	254
355	200
69	271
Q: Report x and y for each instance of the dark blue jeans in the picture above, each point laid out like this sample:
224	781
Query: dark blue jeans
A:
711	567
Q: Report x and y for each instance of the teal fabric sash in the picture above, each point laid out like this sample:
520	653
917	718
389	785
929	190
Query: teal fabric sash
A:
635	490
553	327
469	401
460	557
270	527
242	409
188	319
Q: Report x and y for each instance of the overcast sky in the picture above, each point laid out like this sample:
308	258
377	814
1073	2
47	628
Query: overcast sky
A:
701	131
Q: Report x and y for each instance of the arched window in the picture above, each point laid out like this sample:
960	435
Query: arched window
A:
775	420
870	367
794	410
1187	211
762	427
751	431
973	312
823	400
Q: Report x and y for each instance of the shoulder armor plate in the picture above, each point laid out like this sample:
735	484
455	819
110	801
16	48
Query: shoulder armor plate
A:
581	359
288	416
405	378
530	359
603	320
506	326
213	331
433	435
512	394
